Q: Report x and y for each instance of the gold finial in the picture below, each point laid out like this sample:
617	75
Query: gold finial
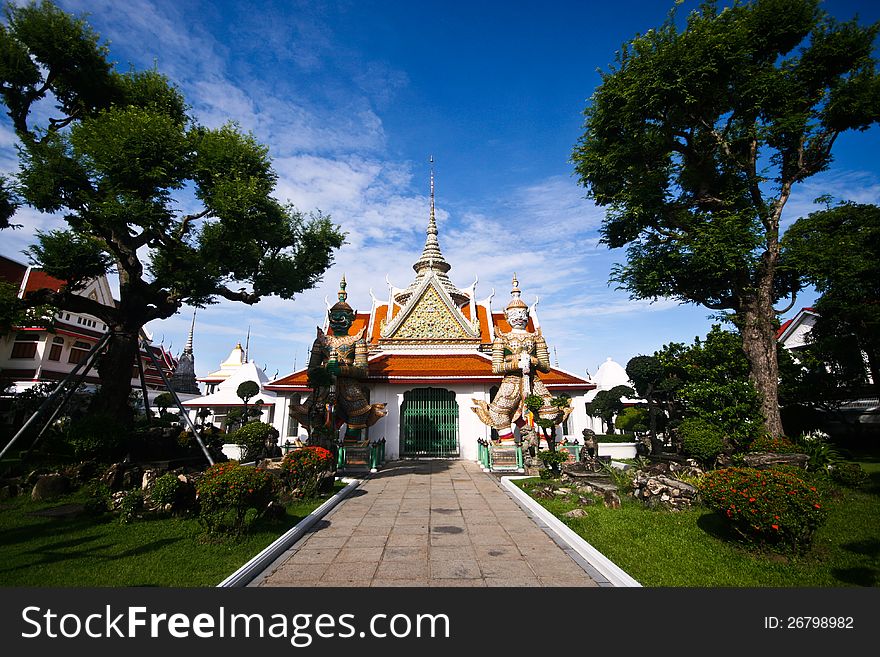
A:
431	160
515	300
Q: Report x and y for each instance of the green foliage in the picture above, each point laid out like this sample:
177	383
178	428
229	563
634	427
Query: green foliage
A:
607	403
851	475
777	445
838	251
822	454
114	156
131	505
70	256
552	460
252	439
97	436
710	380
633	419
163	401
700	439
97	496
231	496
303	470
165	489
771	507
694	138
533	402
247	390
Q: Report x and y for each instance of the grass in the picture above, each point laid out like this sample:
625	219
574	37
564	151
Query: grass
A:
694	549
89	551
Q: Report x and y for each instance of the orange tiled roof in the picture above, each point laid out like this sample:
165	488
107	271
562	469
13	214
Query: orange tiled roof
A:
418	368
381	314
38	280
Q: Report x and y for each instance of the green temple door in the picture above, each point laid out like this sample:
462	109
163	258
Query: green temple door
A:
429	425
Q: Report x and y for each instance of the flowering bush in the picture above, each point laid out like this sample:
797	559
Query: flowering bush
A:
773	507
228	491
303	469
780	445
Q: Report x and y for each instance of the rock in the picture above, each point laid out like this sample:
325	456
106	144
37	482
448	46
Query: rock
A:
132	478
149	478
112	478
765	460
575	513
116	500
659	490
49	486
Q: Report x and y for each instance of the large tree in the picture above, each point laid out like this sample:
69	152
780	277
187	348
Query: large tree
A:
118	157
838	251
695	139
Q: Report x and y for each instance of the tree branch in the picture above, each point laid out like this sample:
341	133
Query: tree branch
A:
188	219
241	295
69	301
790	305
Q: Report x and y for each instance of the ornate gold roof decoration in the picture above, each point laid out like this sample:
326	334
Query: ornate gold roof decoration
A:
432	260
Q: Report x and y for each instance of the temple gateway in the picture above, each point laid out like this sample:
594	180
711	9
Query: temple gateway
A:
431	369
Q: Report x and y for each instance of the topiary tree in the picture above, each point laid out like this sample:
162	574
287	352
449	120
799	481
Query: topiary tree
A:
110	152
163	401
608	403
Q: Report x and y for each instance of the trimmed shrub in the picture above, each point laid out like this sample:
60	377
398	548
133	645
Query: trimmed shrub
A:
229	492
700	439
780	445
97	497
771	507
252	439
850	475
303	469
165	489
132	504
553	460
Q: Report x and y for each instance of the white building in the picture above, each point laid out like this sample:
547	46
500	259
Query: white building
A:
429	356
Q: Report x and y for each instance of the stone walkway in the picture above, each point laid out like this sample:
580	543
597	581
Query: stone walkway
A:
427	523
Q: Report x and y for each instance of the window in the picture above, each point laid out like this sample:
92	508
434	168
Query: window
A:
55	349
25	345
78	351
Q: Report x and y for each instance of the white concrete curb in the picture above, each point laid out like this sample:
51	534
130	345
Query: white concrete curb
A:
607	568
259	563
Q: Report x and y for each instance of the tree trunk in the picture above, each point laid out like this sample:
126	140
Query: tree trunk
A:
759	344
115	371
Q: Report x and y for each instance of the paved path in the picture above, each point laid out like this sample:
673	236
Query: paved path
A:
427	523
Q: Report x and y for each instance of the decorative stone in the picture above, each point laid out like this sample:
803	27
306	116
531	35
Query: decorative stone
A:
149	479
661	490
112	478
575	513
765	460
50	486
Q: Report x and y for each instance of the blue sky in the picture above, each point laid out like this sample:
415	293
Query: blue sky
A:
353	97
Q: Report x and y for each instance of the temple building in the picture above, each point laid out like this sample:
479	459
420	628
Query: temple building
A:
428	359
49	350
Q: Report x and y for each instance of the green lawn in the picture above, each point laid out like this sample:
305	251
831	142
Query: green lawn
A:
693	548
88	551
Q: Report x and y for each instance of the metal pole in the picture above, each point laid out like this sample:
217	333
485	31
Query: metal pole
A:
144	388
177	401
87	362
57	392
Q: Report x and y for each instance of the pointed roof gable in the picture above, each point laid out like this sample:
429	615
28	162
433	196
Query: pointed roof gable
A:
430	316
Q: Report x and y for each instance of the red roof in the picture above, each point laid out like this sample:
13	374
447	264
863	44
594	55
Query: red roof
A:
446	368
788	322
